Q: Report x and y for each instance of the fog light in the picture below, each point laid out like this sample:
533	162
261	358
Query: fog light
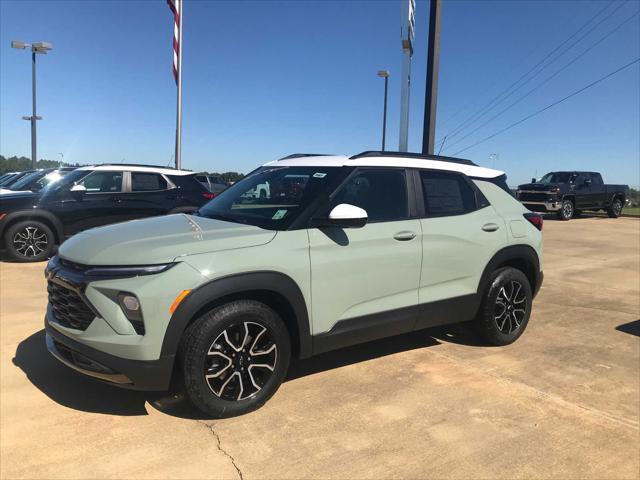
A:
130	302
130	306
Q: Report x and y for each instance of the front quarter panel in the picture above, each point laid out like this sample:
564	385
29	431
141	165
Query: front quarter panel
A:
287	253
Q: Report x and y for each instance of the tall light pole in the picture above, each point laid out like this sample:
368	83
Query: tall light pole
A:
384	74
61	158
407	32
42	48
431	93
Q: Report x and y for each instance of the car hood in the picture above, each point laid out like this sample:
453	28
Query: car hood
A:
159	240
535	187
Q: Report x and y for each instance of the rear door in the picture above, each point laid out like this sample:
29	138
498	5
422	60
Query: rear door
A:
460	234
599	191
149	194
367	277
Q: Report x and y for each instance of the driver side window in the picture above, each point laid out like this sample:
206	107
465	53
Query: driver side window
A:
381	192
103	182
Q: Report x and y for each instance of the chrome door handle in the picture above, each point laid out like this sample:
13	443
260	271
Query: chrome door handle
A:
490	227
404	236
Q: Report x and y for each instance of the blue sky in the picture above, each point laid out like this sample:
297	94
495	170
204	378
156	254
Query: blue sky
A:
263	79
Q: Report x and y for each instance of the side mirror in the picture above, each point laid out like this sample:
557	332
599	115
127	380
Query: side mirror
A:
78	191
533	180
348	216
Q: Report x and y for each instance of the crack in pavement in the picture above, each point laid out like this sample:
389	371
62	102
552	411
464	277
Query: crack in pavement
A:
224	452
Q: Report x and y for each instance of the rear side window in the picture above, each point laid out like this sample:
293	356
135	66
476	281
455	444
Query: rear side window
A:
145	182
596	179
446	194
188	182
381	192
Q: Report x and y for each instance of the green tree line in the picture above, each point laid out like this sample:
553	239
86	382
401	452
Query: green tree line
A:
19	164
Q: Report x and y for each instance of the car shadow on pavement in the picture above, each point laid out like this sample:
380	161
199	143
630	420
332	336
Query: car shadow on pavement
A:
73	390
632	328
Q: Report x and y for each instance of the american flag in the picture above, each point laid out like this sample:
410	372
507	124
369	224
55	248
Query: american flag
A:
176	8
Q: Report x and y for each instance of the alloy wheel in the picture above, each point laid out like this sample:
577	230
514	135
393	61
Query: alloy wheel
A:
30	241
567	209
511	307
617	207
240	361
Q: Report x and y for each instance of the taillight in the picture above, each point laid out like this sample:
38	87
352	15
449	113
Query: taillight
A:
208	195
535	219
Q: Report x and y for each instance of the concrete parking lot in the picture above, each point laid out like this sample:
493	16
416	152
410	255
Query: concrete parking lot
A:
561	402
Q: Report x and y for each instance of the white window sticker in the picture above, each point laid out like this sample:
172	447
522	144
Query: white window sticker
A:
319	175
279	215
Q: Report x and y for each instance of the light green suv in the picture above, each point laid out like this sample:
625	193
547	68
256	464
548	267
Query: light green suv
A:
340	250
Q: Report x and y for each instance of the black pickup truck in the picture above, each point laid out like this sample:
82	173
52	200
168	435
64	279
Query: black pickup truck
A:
569	193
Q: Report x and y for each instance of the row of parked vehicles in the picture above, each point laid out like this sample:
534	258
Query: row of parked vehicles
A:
306	254
39	209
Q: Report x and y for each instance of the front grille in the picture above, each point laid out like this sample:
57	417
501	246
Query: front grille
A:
68	307
534	197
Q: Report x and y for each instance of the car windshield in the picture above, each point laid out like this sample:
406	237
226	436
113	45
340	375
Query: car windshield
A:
26	181
69	179
271	197
558	177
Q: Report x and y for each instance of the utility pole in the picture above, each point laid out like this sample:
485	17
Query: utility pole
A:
431	93
407	33
384	74
36	48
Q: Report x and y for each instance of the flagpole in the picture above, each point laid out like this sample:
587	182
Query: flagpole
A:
178	155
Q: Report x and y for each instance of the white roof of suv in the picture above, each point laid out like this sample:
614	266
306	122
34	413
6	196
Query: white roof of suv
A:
386	161
137	168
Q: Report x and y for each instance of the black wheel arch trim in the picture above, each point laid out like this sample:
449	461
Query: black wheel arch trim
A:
269	281
33	214
511	253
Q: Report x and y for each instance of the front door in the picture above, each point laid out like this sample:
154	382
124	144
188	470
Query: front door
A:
368	277
100	204
583	192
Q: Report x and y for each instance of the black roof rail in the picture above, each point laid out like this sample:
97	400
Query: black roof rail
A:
299	155
439	158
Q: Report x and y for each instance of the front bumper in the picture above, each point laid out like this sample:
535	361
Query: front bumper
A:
553	206
149	375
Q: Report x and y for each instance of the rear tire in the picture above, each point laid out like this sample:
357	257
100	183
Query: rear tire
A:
506	307
234	358
566	210
29	241
615	209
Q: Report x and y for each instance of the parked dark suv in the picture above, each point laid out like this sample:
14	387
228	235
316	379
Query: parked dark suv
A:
33	223
36	180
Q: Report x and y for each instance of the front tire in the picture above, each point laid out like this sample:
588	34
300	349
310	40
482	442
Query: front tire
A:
615	209
506	307
566	210
234	358
29	241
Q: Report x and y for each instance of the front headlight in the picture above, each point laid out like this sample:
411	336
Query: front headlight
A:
128	270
